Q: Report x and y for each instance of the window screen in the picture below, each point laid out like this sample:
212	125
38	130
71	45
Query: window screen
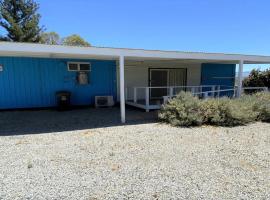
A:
73	67
85	67
77	66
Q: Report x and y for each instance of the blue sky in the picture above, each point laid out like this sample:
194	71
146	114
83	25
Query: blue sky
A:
230	26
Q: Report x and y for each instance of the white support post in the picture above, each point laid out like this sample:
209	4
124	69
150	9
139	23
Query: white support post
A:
122	89
171	92
218	89
205	95
240	78
193	90
147	98
135	95
213	88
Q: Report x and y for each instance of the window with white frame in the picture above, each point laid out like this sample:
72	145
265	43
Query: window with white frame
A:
79	66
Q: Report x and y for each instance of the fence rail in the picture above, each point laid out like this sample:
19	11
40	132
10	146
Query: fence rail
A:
141	96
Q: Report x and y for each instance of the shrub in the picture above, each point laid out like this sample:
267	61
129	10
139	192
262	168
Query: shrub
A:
187	110
228	112
184	110
262	106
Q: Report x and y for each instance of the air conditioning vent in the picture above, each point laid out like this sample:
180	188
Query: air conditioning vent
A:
104	101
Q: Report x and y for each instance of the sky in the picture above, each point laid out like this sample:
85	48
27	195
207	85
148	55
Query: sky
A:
227	26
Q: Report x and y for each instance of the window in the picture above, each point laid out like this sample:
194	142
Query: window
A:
78	66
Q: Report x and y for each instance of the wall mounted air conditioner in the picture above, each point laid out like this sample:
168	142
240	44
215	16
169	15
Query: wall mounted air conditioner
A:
104	101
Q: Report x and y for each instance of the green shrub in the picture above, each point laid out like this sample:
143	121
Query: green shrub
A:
187	110
184	110
228	112
262	106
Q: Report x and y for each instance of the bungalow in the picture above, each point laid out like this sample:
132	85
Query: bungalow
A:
31	74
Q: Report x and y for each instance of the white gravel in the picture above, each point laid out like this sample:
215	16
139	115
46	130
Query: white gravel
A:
136	161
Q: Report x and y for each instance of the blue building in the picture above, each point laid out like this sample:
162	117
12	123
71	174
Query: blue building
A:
32	74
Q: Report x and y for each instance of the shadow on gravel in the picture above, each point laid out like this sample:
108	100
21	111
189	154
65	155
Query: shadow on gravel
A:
48	121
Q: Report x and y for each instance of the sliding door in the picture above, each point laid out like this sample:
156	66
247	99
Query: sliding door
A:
161	79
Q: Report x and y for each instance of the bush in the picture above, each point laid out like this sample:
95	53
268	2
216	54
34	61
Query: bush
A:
262	106
184	110
187	110
228	112
258	78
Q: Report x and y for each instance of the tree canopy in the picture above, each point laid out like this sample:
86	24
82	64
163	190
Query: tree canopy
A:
51	38
258	78
75	40
20	20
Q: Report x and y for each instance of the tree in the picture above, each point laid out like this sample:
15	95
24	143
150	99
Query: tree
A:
51	38
75	40
21	20
258	78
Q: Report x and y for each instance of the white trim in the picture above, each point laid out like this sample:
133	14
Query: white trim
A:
60	51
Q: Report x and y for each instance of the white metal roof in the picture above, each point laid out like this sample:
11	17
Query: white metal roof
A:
60	51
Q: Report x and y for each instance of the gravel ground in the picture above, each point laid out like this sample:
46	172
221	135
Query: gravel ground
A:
104	160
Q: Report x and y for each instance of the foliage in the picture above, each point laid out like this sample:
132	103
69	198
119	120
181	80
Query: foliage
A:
51	38
187	110
228	112
258	78
21	20
262	106
75	40
184	110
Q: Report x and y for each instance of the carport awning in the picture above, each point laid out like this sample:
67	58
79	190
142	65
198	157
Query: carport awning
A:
60	51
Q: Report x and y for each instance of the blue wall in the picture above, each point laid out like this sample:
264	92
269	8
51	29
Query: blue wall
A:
219	74
32	82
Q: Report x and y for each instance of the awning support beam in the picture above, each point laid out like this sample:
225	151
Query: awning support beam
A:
122	88
240	78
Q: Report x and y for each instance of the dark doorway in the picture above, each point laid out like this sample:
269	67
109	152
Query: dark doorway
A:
158	78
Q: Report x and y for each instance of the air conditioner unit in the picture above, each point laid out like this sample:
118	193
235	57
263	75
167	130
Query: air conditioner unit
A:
104	101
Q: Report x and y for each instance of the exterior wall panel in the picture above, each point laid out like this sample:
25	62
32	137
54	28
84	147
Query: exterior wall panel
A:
33	82
219	74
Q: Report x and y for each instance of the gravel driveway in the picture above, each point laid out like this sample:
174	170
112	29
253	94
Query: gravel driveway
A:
104	160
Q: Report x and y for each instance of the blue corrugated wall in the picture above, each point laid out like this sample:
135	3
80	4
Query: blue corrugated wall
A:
32	82
219	74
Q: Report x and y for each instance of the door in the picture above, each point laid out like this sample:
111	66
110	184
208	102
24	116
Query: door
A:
158	78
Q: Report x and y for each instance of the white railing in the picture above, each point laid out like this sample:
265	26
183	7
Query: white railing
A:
205	95
136	94
141	96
